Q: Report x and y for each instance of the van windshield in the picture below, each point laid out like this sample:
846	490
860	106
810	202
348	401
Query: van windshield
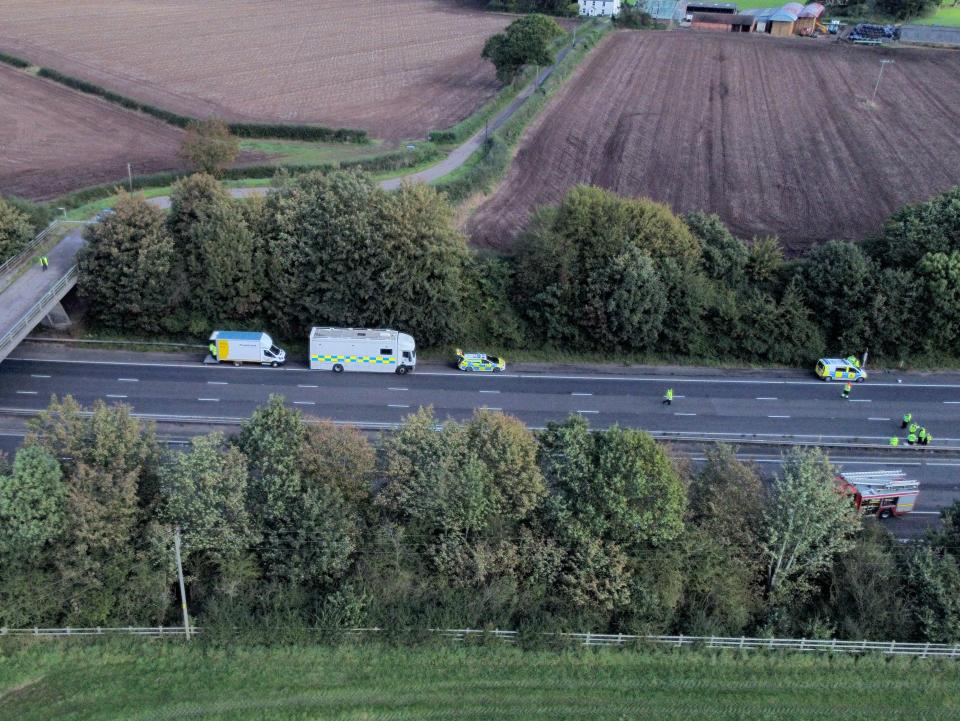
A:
274	350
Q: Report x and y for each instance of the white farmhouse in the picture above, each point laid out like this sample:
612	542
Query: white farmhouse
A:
595	8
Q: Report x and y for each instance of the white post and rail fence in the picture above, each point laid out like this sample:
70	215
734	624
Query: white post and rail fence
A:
460	635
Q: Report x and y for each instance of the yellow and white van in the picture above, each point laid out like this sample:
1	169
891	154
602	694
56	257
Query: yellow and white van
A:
840	369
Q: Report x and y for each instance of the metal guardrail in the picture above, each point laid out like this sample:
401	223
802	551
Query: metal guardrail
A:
39	309
886	648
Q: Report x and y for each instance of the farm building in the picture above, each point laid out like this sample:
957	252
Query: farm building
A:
723	22
665	10
808	18
599	8
707	7
781	23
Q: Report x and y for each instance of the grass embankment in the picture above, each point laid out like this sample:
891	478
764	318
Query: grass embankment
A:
149	680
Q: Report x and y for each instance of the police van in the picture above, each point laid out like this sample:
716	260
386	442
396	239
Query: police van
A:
377	350
840	369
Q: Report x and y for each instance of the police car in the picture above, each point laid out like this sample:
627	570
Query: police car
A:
479	362
840	369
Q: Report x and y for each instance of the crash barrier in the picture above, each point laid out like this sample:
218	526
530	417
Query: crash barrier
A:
460	635
26	255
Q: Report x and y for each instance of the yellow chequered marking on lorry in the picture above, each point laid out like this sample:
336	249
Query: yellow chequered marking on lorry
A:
376	359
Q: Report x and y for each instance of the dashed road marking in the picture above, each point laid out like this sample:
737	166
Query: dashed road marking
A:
128	380
579	411
489	391
27	393
304	403
211	400
303	386
778	416
396	405
491	408
581	394
217	383
766	398
395	389
878	419
115	395
860	400
37	375
684	414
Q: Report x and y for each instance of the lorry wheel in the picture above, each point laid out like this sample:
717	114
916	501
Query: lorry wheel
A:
886	514
274	364
236	364
338	368
401	370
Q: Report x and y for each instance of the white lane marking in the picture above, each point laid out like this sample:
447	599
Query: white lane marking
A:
529	376
679	396
952	403
27	393
489	391
579	411
302	386
925	513
581	394
217	383
304	403
778	416
684	414
389	389
878	419
115	395
860	400
491	408
766	398
950	465
38	375
128	380
396	405
212	400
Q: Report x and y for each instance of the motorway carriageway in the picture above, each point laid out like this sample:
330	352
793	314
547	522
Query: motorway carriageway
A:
739	407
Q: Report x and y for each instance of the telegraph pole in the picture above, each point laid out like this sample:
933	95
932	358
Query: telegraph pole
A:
883	64
183	593
130	177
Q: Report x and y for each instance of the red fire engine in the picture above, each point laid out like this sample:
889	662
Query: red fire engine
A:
881	493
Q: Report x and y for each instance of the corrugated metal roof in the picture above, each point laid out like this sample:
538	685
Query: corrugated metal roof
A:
782	16
813	10
793	8
723	19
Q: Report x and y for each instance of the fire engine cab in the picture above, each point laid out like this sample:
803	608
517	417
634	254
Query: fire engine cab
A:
881	493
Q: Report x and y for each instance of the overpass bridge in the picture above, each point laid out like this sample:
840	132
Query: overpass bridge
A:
29	294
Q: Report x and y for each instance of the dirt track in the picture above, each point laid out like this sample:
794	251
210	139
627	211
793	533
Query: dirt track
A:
53	140
396	69
776	136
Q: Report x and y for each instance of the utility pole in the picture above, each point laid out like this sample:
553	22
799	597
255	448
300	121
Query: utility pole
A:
130	177
883	64
183	592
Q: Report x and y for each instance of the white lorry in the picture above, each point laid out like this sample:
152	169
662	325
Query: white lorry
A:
239	346
362	349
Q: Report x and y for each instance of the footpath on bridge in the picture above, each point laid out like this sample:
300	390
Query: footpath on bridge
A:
19	297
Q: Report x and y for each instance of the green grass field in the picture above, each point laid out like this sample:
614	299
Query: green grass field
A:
163	680
945	15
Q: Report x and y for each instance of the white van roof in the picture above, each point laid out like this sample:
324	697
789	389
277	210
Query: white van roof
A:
353	333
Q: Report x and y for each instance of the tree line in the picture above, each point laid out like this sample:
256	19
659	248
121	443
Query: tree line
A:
478	523
594	273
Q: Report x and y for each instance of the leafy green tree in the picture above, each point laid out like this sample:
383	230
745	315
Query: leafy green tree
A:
837	279
209	146
939	277
933	586
765	261
15	230
204	493
526	41
905	9
216	275
345	252
340	458
807	523
724	256
309	529
916	230
33	501
586	272
110	562
896	299
126	265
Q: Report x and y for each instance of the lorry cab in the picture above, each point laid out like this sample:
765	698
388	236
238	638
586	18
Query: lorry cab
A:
239	346
840	369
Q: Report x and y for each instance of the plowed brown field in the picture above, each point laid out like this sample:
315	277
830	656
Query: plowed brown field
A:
397	69
53	140
775	136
